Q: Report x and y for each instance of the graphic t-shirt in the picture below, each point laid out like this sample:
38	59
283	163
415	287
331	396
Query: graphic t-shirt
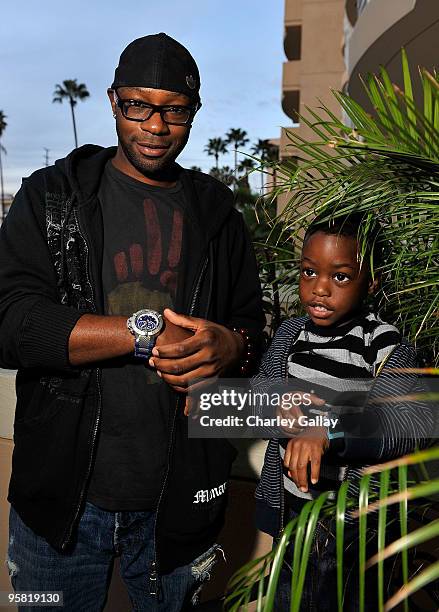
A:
143	229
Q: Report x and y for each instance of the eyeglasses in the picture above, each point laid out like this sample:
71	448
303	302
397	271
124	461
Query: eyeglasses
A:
136	110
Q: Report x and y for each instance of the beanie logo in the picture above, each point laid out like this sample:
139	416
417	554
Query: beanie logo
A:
190	81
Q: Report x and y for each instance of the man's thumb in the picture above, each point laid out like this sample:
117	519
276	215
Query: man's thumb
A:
181	320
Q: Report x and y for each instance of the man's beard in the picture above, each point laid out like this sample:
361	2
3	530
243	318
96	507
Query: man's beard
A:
149	166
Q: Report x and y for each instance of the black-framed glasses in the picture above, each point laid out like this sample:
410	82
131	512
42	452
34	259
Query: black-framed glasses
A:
173	114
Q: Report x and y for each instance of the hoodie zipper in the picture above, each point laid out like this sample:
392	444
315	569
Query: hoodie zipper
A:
93	441
153	574
196	291
153	579
99	405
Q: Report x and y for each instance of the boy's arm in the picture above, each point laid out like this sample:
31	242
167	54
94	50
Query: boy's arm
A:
396	420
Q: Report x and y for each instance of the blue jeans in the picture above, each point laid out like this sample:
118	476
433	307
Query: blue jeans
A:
320	587
83	574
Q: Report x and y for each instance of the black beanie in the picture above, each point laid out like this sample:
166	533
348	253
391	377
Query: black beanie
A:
159	62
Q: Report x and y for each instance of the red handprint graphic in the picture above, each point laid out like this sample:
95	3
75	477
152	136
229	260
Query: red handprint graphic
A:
147	275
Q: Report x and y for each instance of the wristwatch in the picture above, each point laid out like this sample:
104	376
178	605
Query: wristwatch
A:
145	325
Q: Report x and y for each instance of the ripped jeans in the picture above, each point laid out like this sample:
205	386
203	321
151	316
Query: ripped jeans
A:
83	574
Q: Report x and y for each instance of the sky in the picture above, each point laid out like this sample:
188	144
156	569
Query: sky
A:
238	45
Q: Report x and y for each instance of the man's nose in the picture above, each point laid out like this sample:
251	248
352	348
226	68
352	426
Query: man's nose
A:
155	124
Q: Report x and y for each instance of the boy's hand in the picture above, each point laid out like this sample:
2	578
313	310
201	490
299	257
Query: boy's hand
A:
287	411
306	447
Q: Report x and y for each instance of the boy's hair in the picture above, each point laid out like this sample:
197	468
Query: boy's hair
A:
349	225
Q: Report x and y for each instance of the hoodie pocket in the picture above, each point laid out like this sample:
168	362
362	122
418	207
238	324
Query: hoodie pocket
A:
51	451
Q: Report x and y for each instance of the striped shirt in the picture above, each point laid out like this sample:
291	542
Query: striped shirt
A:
402	425
339	363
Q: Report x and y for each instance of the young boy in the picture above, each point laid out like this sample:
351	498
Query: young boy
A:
340	350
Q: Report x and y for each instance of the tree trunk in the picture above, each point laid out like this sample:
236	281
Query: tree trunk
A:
2	211
236	167
74	122
216	160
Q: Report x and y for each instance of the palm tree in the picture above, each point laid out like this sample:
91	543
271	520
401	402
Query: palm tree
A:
3	125
266	152
71	91
386	167
238	138
216	147
223	174
245	166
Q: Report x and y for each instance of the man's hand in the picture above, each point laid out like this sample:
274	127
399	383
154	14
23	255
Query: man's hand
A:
210	351
172	333
289	411
306	447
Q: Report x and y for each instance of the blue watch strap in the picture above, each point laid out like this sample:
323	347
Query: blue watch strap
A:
335	435
143	346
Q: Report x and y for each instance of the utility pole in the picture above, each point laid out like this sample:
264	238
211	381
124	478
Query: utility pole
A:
2	189
47	156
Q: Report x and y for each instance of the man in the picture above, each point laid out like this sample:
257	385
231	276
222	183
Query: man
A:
93	254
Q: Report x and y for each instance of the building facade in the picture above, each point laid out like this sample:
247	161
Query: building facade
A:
313	44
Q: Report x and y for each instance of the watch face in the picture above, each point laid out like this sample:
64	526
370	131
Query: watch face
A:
147	323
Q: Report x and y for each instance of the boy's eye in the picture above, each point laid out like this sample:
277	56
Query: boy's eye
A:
341	277
308	272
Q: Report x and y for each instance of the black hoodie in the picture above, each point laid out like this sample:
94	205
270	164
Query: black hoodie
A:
50	274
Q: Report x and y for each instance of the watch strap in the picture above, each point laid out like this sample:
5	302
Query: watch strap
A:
335	435
143	346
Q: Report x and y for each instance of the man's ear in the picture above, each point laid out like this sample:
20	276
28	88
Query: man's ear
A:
374	283
110	94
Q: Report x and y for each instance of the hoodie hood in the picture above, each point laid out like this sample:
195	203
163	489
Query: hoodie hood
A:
209	201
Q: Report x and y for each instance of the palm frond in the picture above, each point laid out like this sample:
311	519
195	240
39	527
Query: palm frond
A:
385	166
393	488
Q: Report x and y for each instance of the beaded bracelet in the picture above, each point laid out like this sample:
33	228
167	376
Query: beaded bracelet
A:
248	359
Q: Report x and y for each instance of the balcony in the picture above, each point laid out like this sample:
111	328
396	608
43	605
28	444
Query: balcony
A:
291	104
293	42
293	10
380	31
361	5
291	75
354	8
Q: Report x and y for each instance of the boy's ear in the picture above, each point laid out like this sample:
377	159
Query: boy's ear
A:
374	283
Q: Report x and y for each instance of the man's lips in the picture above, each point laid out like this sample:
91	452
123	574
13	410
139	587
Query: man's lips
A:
151	149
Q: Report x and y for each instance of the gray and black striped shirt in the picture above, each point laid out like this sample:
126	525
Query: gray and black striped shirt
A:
338	362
